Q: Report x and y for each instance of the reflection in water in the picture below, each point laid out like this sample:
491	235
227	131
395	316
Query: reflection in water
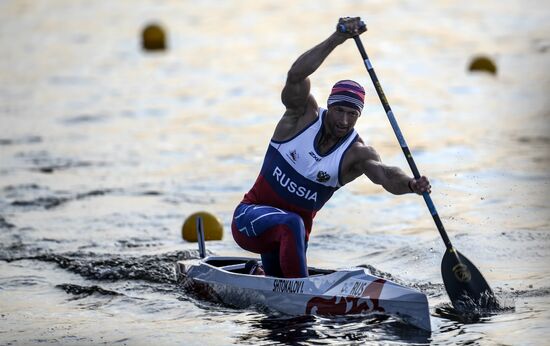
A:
311	330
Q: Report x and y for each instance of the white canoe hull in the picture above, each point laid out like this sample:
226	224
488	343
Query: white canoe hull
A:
344	292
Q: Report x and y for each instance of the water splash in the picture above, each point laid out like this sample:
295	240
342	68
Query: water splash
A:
85	291
468	311
428	288
157	268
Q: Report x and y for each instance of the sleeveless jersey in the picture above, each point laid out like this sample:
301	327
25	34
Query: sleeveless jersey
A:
296	177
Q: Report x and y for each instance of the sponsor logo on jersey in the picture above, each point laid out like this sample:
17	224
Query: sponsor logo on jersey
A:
315	156
293	155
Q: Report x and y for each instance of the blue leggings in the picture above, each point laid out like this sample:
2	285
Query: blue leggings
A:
278	235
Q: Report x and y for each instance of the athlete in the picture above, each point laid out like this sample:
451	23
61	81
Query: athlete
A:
312	153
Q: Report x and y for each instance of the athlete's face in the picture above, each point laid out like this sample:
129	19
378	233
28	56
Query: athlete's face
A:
341	120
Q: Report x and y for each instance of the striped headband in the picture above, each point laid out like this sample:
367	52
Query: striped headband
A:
347	93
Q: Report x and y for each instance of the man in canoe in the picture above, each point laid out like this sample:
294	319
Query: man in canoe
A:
312	153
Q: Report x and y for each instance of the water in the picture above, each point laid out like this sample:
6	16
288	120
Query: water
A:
105	150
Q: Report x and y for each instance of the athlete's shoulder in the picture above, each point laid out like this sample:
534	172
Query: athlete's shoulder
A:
356	160
360	151
294	121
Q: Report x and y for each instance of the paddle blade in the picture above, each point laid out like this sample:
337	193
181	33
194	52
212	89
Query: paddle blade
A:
465	285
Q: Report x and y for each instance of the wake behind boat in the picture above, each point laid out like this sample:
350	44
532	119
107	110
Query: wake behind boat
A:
351	291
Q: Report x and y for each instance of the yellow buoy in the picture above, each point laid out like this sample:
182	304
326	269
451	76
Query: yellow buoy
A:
483	64
213	229
153	37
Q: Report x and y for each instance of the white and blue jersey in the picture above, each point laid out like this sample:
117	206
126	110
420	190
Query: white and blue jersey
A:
296	177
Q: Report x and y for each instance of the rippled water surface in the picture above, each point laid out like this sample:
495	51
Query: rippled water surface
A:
106	149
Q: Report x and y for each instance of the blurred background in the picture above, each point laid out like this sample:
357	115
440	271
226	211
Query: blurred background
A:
107	146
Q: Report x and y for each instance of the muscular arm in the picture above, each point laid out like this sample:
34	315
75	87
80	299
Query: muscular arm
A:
301	107
392	179
296	93
363	159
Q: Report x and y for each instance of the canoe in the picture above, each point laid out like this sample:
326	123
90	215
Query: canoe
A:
352	291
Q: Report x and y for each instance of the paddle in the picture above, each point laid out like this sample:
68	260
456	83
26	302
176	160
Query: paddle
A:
200	237
464	283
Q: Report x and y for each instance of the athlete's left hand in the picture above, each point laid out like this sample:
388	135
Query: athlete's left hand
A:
420	185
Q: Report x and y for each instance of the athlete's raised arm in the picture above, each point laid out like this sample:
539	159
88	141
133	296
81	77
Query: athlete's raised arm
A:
296	95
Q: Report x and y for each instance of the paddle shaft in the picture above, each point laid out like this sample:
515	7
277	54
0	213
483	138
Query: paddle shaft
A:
200	237
402	142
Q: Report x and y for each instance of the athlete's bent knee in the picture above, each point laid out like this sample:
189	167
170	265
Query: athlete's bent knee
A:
296	224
